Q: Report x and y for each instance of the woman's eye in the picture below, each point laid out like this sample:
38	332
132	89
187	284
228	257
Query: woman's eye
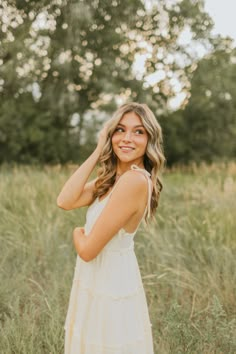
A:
119	129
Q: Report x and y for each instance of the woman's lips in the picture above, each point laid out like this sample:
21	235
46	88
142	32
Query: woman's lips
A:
126	148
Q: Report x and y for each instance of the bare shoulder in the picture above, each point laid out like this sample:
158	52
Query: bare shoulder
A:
132	182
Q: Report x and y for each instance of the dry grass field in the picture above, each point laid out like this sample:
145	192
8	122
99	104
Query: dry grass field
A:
187	260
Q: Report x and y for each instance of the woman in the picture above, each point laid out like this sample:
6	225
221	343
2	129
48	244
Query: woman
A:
108	312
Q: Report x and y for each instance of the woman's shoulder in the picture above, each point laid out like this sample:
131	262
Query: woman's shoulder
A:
132	181
138	175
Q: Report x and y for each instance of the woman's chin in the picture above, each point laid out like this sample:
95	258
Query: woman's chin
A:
129	159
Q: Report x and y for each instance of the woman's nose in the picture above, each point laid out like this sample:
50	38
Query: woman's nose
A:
127	136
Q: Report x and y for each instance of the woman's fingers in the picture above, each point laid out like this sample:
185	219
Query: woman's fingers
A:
78	230
102	136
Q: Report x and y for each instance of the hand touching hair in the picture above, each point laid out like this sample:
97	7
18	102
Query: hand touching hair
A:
153	159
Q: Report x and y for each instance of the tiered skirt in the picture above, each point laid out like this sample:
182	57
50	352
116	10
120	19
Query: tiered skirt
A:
108	311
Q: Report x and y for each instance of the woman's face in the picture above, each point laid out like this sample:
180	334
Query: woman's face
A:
130	138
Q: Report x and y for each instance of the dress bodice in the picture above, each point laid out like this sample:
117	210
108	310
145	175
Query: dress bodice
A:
123	240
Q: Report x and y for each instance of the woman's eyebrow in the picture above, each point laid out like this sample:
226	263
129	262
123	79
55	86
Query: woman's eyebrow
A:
136	126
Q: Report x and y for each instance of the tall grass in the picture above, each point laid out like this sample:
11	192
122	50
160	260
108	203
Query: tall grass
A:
187	260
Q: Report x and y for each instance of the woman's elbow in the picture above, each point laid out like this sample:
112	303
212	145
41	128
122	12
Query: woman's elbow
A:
86	256
60	204
83	248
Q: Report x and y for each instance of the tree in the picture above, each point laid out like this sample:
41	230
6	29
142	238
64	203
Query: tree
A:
77	56
209	118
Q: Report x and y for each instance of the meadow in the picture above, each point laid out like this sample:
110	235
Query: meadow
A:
187	260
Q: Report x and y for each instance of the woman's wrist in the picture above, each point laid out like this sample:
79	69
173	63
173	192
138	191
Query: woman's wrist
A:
98	151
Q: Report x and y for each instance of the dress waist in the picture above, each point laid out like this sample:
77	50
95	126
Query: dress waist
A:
119	250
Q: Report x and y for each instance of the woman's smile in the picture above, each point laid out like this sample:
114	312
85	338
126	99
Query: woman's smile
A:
126	148
130	138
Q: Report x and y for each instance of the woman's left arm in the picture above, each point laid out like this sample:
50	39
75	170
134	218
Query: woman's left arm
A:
127	199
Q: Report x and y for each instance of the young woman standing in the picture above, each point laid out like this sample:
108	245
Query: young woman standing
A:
108	311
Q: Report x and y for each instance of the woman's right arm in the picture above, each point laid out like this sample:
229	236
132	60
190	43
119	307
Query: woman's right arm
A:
76	192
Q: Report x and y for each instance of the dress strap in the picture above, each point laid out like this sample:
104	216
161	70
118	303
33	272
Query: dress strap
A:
136	168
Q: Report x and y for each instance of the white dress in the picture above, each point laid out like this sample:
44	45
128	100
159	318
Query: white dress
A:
108	311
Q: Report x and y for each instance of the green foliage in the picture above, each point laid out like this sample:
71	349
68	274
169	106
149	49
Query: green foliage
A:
187	260
213	332
209	118
173	126
60	58
205	130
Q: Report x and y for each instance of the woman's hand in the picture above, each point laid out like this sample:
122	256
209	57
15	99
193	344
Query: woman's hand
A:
102	137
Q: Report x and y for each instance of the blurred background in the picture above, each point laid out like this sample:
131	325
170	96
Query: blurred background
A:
66	65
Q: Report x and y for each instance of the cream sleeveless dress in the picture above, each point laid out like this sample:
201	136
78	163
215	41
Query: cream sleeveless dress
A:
108	311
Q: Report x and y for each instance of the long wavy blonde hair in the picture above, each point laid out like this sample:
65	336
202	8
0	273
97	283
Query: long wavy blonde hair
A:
153	159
